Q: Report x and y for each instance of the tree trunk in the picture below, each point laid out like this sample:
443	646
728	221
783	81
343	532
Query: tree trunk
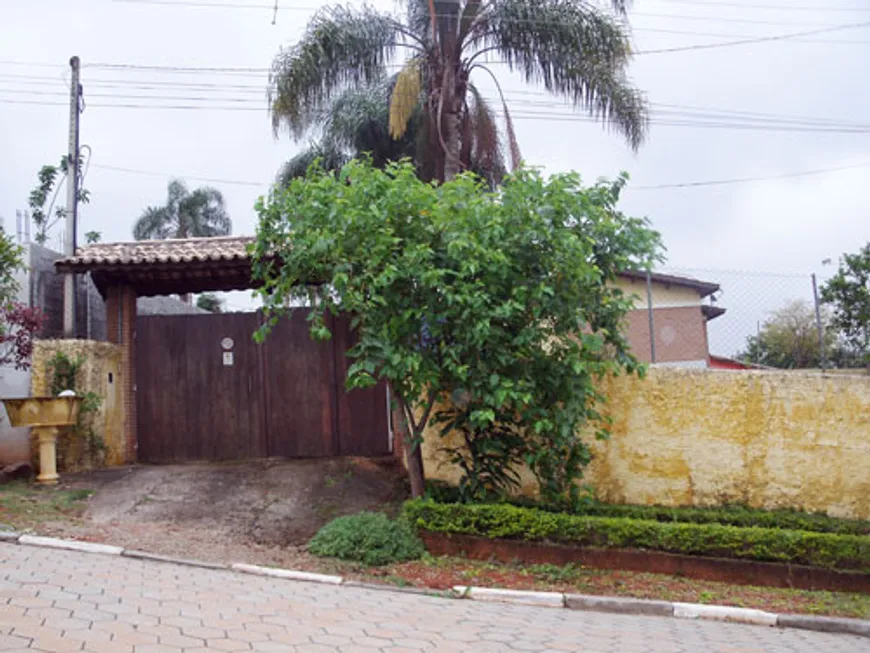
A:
416	473
413	454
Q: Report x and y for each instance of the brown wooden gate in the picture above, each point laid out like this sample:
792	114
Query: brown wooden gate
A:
207	391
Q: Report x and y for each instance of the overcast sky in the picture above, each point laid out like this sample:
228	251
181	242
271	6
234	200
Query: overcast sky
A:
782	225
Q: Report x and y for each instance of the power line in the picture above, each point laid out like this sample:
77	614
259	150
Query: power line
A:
151	173
761	39
741	5
675	121
207	4
743	180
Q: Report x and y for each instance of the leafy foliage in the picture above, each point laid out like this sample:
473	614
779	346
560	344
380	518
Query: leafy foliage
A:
10	263
64	374
458	292
371	538
572	47
51	178
511	522
210	302
790	339
198	214
731	515
848	292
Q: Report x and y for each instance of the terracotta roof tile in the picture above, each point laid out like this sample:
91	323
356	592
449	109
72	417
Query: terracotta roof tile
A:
187	250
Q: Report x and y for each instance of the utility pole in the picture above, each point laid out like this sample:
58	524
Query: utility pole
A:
819	326
72	190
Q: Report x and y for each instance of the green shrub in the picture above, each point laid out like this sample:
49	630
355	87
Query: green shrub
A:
729	515
844	551
371	538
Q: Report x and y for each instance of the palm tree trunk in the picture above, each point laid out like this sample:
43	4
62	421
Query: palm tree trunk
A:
451	138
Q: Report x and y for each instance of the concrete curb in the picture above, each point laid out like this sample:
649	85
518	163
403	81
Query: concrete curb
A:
154	557
620	605
70	545
825	624
519	597
289	574
380	587
724	613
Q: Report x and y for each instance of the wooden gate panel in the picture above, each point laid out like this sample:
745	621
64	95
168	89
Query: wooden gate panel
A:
299	376
363	426
192	403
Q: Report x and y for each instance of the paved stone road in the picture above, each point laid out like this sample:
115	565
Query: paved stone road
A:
57	601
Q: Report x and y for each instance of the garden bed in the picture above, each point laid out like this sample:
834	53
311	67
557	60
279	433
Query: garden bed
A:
777	557
739	572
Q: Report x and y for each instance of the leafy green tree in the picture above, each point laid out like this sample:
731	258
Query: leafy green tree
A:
459	293
198	214
848	293
51	180
575	49
790	339
210	302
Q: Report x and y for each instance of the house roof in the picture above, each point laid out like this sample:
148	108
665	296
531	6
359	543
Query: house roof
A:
704	288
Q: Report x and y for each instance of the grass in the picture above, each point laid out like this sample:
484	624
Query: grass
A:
443	572
24	505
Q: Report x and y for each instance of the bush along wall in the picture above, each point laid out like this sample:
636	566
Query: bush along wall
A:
730	515
502	521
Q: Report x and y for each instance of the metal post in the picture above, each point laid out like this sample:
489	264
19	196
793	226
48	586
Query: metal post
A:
72	187
819	326
652	325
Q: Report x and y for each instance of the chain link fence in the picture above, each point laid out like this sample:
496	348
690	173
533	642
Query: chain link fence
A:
746	319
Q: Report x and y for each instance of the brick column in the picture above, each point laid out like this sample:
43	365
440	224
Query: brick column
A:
113	313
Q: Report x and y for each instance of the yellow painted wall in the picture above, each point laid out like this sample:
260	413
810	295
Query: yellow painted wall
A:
101	359
663	295
707	437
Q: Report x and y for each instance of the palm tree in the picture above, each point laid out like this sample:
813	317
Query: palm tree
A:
186	214
573	48
357	122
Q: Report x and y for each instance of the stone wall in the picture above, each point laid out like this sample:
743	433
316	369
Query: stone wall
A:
708	437
100	373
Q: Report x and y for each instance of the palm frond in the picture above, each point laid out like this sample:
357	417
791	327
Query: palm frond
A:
486	152
571	47
155	223
469	14
342	46
405	98
297	167
205	213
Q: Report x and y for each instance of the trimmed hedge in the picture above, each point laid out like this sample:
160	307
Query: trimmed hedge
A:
828	550
732	515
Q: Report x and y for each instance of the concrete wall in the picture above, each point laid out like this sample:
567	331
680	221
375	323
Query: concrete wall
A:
101	374
708	437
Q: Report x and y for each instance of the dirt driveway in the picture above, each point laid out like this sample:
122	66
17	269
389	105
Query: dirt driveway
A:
258	511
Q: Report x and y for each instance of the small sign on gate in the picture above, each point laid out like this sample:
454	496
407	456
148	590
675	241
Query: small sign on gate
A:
228	359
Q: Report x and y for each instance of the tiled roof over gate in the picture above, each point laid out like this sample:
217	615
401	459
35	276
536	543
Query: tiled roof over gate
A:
144	252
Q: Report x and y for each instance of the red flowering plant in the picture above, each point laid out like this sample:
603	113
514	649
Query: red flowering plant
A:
19	325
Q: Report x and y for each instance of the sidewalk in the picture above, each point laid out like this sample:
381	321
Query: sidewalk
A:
56	601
